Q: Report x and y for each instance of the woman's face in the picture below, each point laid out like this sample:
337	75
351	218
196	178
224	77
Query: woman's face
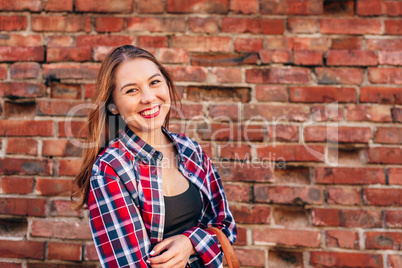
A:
141	95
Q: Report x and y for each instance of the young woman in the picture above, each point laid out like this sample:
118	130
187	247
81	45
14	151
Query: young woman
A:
151	193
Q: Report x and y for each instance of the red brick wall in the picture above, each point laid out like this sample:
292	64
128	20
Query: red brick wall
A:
255	62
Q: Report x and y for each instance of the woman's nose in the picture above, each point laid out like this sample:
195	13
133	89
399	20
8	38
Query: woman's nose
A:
148	95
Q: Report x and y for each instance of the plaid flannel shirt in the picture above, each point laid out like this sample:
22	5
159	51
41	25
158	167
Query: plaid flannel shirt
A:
126	203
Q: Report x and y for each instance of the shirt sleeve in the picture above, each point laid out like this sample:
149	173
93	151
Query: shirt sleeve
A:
117	227
205	242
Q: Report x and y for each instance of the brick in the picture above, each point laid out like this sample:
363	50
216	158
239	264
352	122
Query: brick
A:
278	76
308	57
396	114
151	6
71	129
375	197
248	44
337	134
68	54
302	25
14	166
342	239
19	146
22	249
13	228
23	70
393	218
291	217
347	43
369	8
109	24
223	59
271	93
383	240
152	42
104	40
241	7
393	259
351	58
60	41
339	8
19	40
279	42
8	53
290	7
368	113
290	152
350	26
280	237
197	6
322	94
108	6
100	52
188	111
226	75
16	185
61	229
282	133
65	91
384	44
31	5
288	195
275	56
254	257
393	27
353	176
234	151
22	89
236	172
203	25
60	107
64	251
327	113
394	176
345	259
240	25
57	6
202	43
224	111
241	238
292	175
393	8
388	135
388	155
346	218
61	24
172	55
62	208
59	148
390	57
90	252
222	132
156	24
189	73
385	75
345	76
274	111
289	259
69	167
256	214
307	43
72	71
343	196
3	71
23	207
26	128
238	192
13	23
23	110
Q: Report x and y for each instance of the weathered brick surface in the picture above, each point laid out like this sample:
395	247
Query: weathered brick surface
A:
297	102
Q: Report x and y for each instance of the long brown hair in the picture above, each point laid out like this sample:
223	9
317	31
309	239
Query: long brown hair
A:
98	126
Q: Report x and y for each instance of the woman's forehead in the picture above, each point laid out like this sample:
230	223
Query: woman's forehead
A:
136	69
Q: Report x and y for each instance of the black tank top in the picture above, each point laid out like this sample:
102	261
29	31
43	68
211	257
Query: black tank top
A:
182	211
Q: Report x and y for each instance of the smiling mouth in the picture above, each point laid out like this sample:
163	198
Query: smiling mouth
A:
151	112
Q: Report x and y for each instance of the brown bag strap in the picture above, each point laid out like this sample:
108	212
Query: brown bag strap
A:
226	248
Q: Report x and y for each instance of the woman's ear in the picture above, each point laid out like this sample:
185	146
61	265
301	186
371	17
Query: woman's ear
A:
112	108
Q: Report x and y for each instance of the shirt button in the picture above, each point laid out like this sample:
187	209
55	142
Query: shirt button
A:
190	174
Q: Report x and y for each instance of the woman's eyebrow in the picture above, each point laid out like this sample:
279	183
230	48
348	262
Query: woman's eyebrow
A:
134	84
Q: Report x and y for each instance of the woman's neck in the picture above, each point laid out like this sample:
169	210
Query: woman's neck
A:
156	138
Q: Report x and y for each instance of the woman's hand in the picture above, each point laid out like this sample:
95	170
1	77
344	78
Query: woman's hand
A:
176	251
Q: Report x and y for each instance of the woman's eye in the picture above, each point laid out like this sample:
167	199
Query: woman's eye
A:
155	82
131	90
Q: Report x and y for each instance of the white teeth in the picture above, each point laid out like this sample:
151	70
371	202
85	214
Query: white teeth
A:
149	112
